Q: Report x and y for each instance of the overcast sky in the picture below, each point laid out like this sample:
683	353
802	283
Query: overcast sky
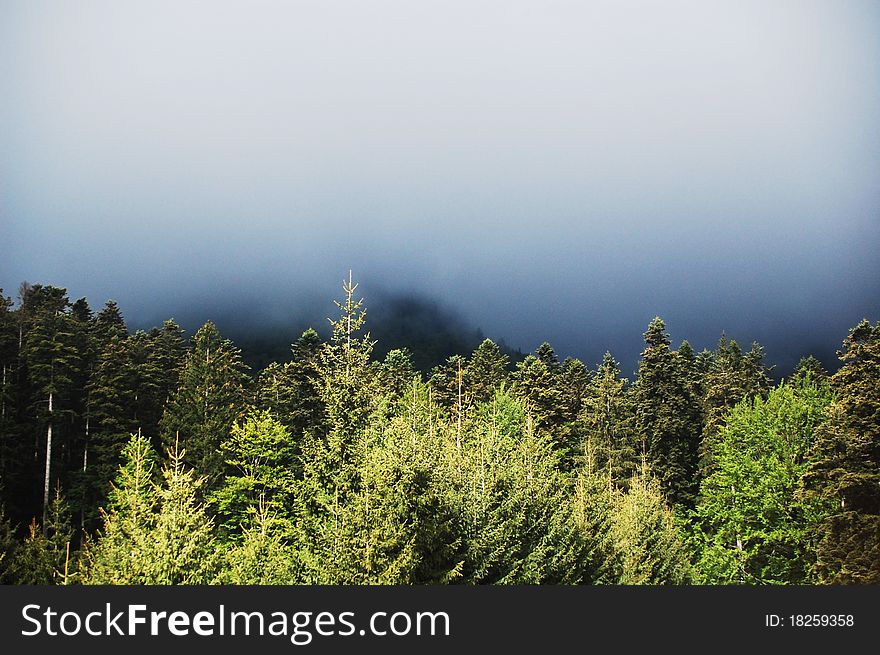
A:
555	170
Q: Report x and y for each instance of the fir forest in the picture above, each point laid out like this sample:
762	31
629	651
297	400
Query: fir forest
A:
150	457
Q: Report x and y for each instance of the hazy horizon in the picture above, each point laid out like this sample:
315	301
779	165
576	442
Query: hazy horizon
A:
556	171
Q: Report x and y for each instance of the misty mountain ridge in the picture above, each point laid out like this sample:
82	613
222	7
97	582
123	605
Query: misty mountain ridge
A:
431	331
265	324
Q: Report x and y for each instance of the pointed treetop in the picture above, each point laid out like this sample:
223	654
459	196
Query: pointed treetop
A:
656	334
307	345
608	364
109	322
81	310
686	351
547	355
810	367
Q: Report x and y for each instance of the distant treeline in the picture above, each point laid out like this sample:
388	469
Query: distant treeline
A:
150	458
428	330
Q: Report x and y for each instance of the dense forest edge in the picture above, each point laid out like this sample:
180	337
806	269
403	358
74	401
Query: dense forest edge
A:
148	457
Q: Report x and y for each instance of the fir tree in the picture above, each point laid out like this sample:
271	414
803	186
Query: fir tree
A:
650	550
450	386
536	384
52	363
10	443
810	367
182	549
290	390
844	477
211	396
486	371
260	456
668	419
396	373
731	377
607	425
263	556
121	552
153	533
333	454
574	382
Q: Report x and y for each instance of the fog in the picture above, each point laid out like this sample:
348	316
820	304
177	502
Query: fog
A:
559	171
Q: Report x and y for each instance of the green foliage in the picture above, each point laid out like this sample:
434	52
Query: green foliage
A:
45	556
449	385
154	533
210	398
729	377
607	425
810	367
844	477
50	344
486	371
535	384
649	549
260	456
291	390
547	390
182	549
519	521
752	526
335	468
668	420
574	380
122	552
264	555
396	374
10	445
8	546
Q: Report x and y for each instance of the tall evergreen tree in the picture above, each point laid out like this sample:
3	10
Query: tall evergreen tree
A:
450	386
165	359
210	398
260	457
111	394
520	525
668	417
731	377
182	549
290	390
9	439
52	364
153	533
486	371
109	322
574	382
120	554
607	425
333	453
396	373
649	548
845	474
536	384
811	367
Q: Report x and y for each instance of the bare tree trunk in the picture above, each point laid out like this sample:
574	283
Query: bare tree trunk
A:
48	465
458	428
82	511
